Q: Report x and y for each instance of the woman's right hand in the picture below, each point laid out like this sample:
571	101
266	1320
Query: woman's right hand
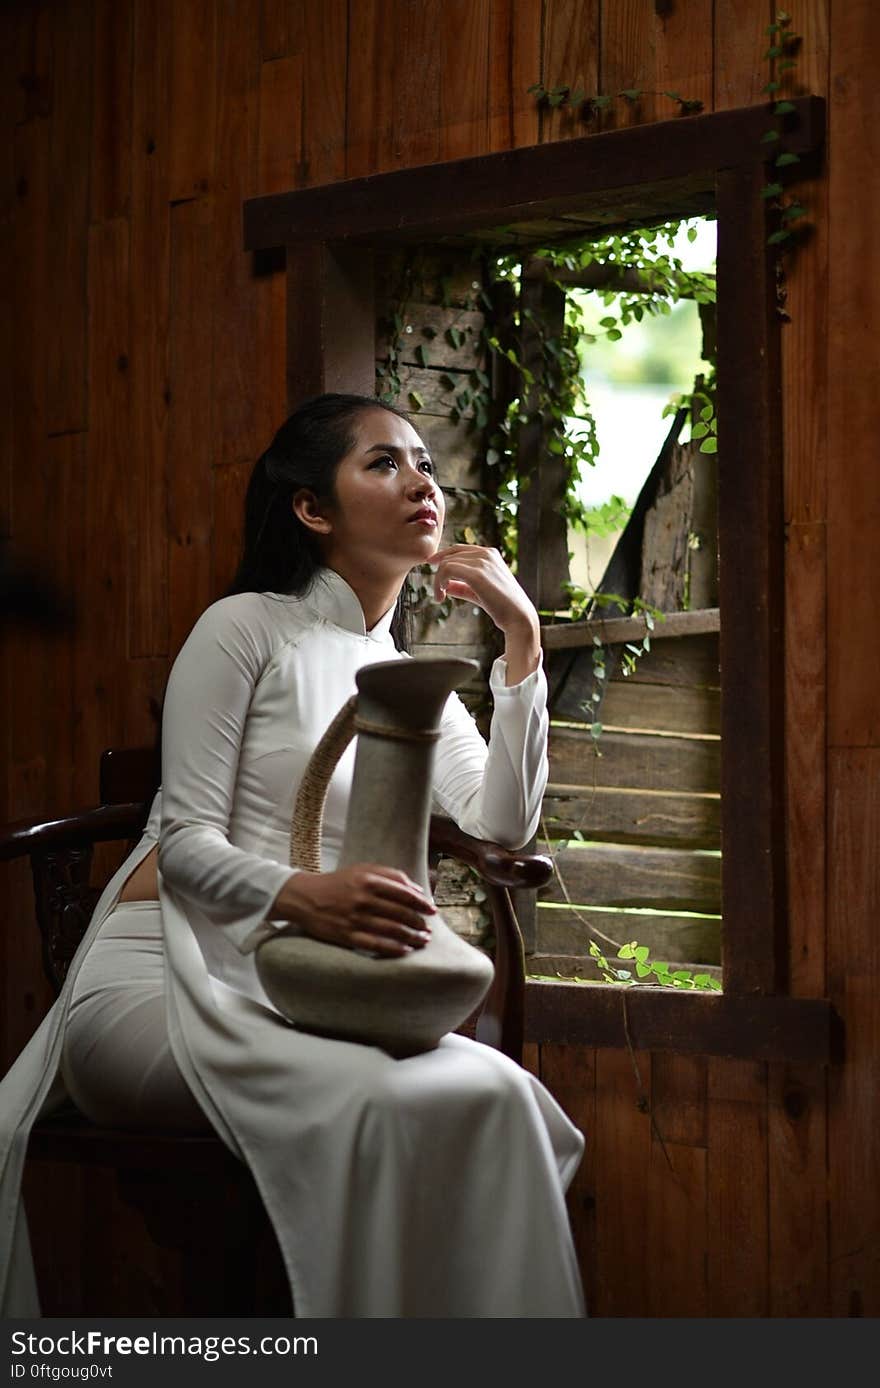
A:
365	906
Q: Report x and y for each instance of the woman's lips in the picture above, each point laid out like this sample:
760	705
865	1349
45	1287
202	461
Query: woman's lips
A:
424	518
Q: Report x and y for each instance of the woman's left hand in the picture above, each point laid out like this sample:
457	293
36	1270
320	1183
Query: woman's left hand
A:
478	574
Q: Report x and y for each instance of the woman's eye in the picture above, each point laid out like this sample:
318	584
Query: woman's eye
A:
381	462
427	466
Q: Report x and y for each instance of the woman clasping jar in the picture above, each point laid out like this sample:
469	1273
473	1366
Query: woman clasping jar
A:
431	1186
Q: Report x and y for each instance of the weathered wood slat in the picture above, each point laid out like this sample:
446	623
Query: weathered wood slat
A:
611	630
684	938
635	760
678	1097
434	344
370	97
664	878
437	390
675	677
281	23
634	816
630	704
325	60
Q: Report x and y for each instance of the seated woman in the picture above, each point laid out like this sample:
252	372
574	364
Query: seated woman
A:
424	1187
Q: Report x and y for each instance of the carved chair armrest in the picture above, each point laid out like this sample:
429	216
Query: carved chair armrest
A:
500	1021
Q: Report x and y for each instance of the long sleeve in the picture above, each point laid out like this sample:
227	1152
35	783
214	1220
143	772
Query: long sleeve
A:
209	694
495	792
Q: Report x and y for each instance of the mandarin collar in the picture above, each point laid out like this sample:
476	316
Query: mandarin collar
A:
331	598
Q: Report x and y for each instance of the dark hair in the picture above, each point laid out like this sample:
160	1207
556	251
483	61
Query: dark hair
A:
279	553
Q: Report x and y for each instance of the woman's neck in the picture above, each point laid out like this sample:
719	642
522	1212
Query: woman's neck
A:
375	593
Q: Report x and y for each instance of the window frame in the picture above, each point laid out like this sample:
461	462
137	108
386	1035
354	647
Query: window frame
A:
665	169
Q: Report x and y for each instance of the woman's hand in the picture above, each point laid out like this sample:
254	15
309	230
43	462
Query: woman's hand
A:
477	574
365	906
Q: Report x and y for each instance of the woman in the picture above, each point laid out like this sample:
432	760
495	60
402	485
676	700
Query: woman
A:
431	1186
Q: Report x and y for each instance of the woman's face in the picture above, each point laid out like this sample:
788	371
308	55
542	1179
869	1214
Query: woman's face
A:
387	511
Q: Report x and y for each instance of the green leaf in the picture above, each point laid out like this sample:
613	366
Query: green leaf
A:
793	211
455	337
709	445
699	431
627	951
537	87
633	93
769	136
422	355
707	412
772	190
614	334
776	51
782	108
782	160
692	234
600	102
771	87
641	953
608	322
643	970
416	400
595	729
778	237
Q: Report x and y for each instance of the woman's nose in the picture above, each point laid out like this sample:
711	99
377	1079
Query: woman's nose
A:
420	484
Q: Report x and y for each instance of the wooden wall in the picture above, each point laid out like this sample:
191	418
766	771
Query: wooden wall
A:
142	369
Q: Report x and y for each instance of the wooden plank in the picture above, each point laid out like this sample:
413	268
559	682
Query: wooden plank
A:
246	410
570	57
634	816
325	51
192	103
418	203
30	708
680	673
676	1199
463	38
738	1233
798	1193
514	64
150	272
189	443
752	593
741	40
569	1072
435	387
610	875
803	1031
69	142
370	96
35	53
424	341
280	143
106	518
623	1154
683	939
613	630
280	28
667	50
110	174
679	1086
853	396
229	485
418	68
641	707
805	692
634	760
854	985
689	660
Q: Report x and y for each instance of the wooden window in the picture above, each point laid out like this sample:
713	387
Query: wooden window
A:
672	169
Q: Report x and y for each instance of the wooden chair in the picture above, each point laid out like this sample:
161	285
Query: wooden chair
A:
168	1185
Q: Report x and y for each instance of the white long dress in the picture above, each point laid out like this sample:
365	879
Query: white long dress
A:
432	1186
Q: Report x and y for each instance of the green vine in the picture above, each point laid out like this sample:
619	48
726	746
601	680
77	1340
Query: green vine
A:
586	107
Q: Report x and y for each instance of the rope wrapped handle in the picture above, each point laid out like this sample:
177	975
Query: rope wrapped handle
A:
308	810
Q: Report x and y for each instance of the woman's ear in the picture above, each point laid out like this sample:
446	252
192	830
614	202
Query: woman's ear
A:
307	509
